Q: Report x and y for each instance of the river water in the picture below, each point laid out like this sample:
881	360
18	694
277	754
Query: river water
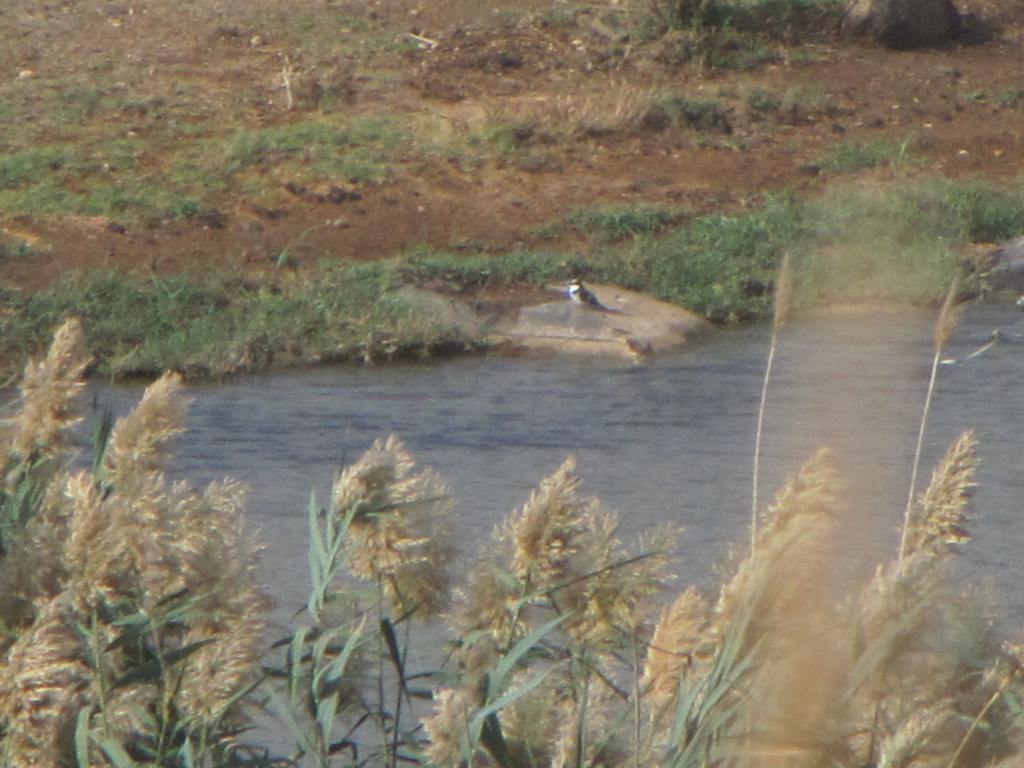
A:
669	440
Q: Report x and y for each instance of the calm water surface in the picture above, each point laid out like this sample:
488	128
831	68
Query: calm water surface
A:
672	440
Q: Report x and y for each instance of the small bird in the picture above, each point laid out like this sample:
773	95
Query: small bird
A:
640	350
579	294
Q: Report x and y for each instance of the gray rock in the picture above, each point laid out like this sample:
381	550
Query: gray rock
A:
635	327
1006	271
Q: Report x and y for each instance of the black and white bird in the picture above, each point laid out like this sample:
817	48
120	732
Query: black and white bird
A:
579	294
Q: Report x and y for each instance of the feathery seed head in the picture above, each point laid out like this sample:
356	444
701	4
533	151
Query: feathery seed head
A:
448	728
42	685
400	528
546	531
939	521
137	440
790	543
680	640
50	390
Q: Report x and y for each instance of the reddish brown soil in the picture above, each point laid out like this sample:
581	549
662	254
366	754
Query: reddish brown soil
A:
940	101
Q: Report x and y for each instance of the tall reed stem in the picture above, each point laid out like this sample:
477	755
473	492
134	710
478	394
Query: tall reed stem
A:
944	327
783	297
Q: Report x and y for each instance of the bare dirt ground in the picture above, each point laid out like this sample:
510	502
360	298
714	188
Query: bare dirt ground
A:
474	66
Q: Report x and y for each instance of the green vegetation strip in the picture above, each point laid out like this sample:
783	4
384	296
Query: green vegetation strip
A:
896	242
211	327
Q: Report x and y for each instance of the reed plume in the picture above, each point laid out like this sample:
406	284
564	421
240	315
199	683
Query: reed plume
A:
45	679
129	571
898	594
38	441
400	530
756	675
228	608
448	729
49	404
945	325
563	597
783	302
681	641
938	522
791	537
777	610
139	440
562	554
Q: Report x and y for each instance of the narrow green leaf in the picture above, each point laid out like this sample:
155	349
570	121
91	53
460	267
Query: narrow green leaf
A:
101	438
82	728
150	671
494	741
117	754
294	662
285	713
394	652
510	697
524	646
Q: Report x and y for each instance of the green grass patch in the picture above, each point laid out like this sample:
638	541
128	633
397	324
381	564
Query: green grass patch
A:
358	151
216	326
171	175
762	101
984	212
33	165
619	222
850	156
707	265
438	268
896	242
1011	97
313	139
738	36
900	242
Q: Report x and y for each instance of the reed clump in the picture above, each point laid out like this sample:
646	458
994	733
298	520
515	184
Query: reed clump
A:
133	613
134	624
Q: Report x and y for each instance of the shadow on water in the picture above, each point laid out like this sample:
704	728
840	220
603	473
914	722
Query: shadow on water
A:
669	441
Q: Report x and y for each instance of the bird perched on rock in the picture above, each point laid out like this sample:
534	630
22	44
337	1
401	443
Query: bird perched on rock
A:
579	294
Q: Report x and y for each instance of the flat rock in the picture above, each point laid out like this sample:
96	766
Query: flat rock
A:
635	326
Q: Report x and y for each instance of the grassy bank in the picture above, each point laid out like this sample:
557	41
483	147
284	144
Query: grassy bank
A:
218	325
899	242
135	629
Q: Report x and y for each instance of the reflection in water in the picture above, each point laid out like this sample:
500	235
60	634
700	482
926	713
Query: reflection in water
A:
672	440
